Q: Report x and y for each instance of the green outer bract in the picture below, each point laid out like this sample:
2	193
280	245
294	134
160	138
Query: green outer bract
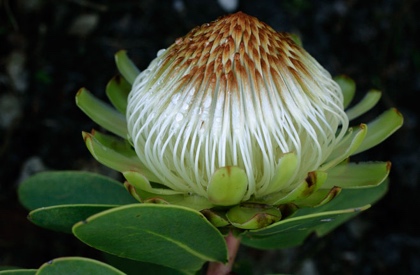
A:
287	165
126	67
253	216
307	187
346	147
367	103
381	128
227	186
358	175
348	88
101	113
117	91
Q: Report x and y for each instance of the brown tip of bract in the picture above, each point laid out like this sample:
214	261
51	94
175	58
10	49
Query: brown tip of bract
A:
236	46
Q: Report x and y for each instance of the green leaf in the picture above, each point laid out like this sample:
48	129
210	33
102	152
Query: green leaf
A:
368	102
101	113
62	217
286	239
348	88
173	236
117	91
18	272
71	187
351	198
126	66
348	198
357	175
296	228
77	265
303	222
380	129
135	267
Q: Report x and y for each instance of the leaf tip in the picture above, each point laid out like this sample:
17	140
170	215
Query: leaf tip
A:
388	166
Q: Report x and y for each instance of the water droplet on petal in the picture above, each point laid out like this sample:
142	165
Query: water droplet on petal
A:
179	117
175	98
185	106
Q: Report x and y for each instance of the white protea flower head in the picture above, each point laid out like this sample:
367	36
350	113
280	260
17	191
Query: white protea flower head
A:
234	93
235	116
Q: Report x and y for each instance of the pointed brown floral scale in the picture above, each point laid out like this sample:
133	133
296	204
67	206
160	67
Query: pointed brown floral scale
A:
235	43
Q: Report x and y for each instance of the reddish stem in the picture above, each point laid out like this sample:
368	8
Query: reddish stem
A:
218	268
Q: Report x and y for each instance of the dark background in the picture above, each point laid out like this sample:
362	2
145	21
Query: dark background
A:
49	49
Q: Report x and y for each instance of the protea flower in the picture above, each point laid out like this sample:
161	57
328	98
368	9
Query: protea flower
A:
237	121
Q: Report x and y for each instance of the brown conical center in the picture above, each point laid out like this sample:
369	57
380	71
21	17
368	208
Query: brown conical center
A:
238	43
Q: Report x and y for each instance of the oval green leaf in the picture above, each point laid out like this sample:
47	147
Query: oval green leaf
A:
297	227
18	272
283	240
135	267
173	236
77	265
62	217
71	187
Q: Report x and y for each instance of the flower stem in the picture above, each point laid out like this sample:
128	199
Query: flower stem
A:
218	268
